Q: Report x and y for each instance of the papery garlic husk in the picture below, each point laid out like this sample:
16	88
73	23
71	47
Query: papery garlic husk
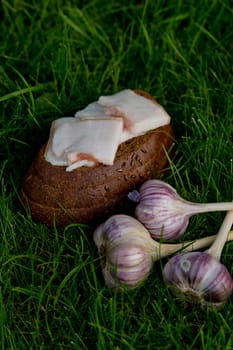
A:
164	213
126	249
199	278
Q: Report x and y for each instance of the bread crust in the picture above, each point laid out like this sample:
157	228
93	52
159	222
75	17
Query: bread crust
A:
90	194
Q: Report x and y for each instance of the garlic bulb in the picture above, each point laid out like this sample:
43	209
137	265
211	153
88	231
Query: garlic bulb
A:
164	213
128	252
199	277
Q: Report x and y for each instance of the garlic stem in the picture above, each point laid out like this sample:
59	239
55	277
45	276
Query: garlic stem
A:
197	208
165	249
216	249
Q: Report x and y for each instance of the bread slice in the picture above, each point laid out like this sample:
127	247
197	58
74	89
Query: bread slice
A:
89	195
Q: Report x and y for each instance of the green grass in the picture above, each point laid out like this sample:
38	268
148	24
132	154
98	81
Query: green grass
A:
55	58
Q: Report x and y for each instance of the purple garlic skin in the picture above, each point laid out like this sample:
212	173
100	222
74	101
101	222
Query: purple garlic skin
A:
164	213
199	278
161	210
126	249
128	266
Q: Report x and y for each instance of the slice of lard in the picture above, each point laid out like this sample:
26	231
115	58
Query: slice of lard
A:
57	141
139	113
93	110
76	143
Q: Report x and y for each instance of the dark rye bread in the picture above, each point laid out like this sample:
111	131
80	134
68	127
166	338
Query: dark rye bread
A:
91	194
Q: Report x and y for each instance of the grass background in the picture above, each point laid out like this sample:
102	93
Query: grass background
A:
55	58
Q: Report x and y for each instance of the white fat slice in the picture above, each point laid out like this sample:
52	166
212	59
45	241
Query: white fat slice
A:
76	143
93	110
53	151
139	113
